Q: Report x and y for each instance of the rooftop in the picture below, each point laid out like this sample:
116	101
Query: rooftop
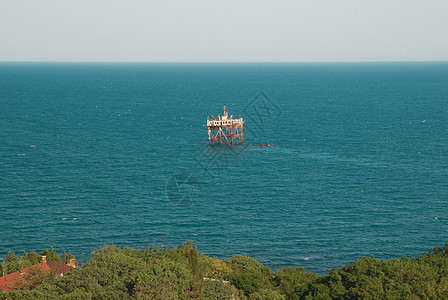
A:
14	280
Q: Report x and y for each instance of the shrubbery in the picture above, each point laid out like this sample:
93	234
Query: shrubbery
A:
183	273
424	277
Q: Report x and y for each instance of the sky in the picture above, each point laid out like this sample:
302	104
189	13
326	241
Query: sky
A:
223	31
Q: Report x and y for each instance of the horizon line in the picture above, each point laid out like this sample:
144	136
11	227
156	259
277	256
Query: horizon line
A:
224	62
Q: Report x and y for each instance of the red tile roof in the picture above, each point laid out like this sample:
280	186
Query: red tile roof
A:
60	268
13	280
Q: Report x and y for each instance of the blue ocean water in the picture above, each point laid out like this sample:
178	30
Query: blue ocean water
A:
95	154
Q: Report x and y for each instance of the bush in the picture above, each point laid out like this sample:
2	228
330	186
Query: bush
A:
156	273
248	275
216	289
267	294
294	282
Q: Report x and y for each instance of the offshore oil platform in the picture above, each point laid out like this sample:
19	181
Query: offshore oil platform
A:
225	129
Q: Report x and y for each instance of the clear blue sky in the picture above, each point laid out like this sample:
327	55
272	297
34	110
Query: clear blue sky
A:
223	31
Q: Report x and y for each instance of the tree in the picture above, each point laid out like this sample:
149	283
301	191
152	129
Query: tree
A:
217	289
34	277
29	258
294	282
12	263
190	253
155	273
267	294
70	255
51	255
248	275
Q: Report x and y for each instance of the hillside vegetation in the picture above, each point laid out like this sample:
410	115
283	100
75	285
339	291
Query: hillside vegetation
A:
183	273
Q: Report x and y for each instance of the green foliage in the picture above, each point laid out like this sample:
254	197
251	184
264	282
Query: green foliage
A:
248	275
294	282
70	255
320	291
51	255
29	259
193	263
158	273
267	294
217	289
113	273
36	294
243	262
217	269
424	277
35	277
169	277
154	287
12	263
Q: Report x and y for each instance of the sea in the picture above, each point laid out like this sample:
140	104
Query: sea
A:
95	154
